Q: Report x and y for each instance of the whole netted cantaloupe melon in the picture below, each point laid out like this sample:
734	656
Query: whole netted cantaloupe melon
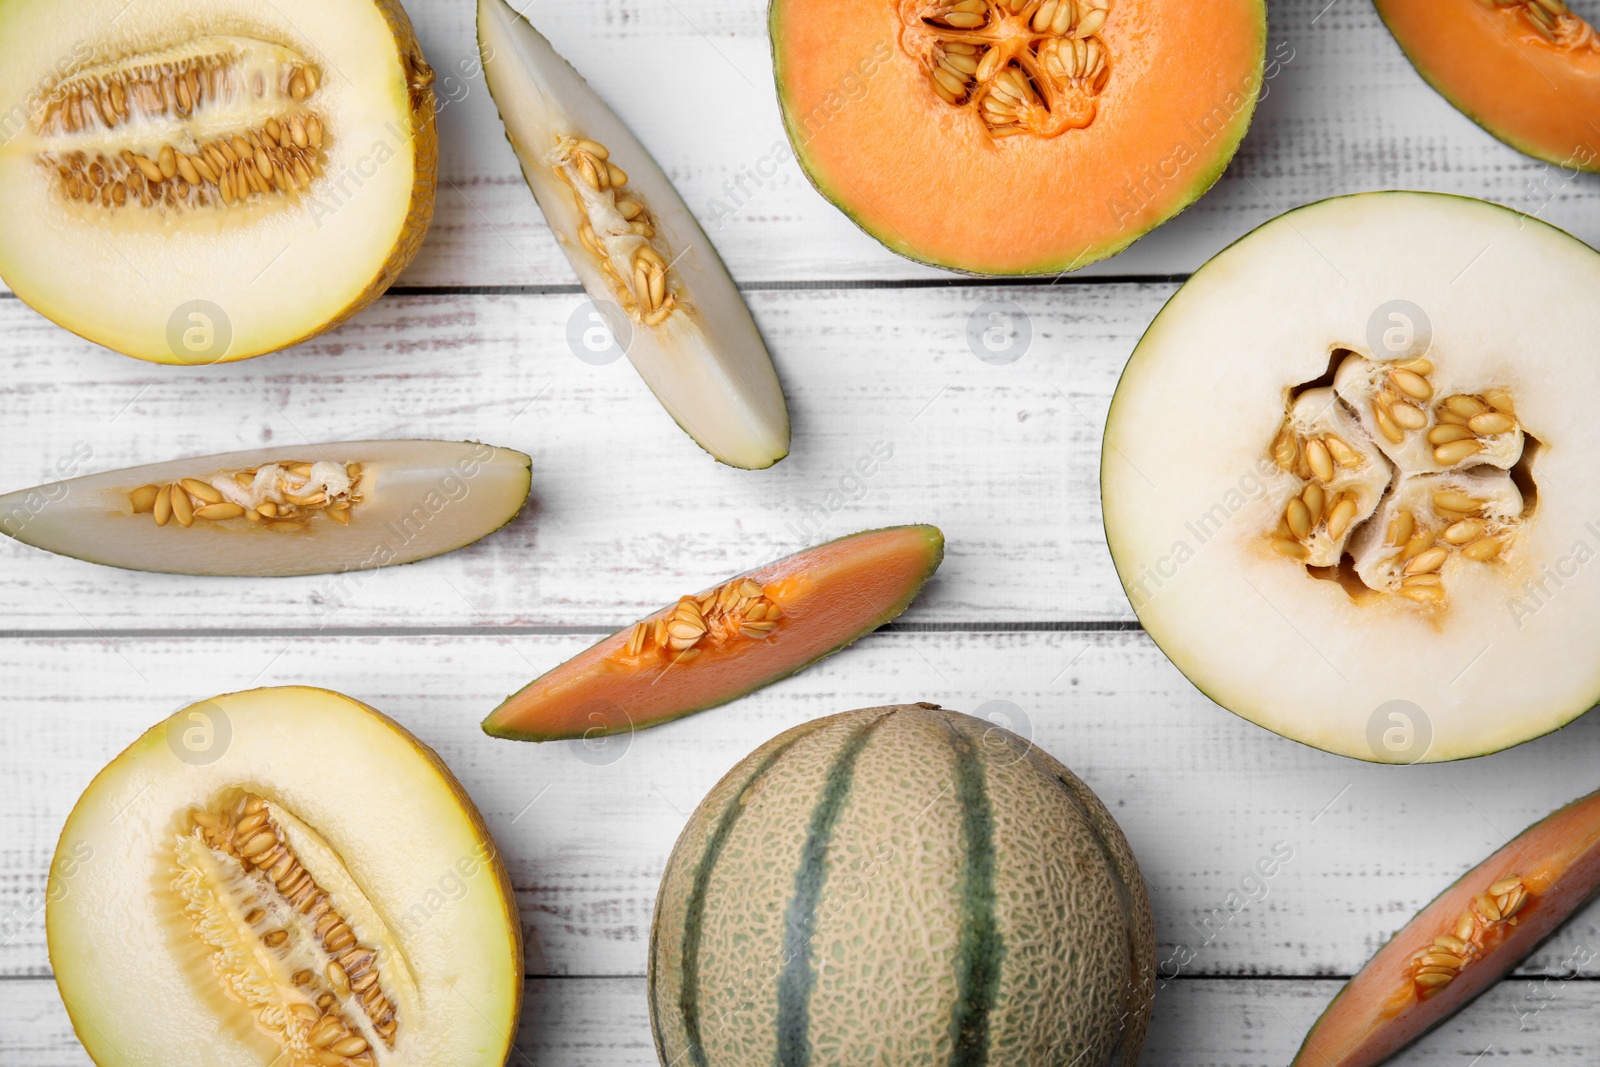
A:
896	886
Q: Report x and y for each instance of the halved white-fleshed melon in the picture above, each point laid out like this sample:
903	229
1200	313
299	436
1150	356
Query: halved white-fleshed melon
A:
283	876
636	248
197	181
291	509
1348	477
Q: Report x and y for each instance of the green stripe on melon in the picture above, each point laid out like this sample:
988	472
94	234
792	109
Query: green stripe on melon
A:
901	885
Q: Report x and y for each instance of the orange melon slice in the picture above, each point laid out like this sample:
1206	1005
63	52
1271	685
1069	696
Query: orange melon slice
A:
1465	941
1015	136
1528	71
731	639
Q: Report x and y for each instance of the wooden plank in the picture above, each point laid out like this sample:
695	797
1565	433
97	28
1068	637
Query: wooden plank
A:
604	1022
1343	112
628	514
1204	797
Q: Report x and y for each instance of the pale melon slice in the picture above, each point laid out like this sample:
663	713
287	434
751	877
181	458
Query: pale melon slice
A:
283	876
198	181
636	248
311	509
1453	345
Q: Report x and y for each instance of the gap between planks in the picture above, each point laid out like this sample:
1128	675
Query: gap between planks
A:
1068	626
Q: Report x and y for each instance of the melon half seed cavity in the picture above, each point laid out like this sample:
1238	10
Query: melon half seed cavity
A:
216	122
1022	66
616	230
1553	20
279	944
1476	930
740	609
281	496
1407	482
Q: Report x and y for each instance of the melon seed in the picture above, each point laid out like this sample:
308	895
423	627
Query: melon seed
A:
1342	453
1430	560
1417	544
1340	516
1411	383
1407	417
1321	463
1292	549
1483	551
1451	500
182	509
1491	422
1386	425
143	498
1314	499
1456	451
1445	433
1400	528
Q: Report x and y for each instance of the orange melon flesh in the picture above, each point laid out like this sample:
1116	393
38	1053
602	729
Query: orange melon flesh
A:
828	597
1540	96
929	180
1379	1011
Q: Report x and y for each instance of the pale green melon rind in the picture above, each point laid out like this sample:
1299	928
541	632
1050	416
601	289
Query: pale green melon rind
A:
1321	1060
1554	156
989	1007
1197	288
155	740
1215	164
935	544
144	473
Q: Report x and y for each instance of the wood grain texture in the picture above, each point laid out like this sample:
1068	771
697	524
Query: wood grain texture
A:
628	513
1204	797
1206	1022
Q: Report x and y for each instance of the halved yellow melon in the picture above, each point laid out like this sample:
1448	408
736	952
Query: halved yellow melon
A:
283	876
200	181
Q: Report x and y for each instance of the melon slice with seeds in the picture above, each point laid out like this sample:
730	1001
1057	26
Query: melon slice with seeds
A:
197	182
1466	940
654	277
284	876
736	637
309	509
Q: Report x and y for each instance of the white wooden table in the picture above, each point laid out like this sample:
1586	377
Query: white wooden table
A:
628	514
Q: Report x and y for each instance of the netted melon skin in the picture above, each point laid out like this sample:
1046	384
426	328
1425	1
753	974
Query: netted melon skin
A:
901	885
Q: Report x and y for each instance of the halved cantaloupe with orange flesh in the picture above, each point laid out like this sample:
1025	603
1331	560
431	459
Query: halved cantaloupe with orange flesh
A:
1528	71
1015	136
736	637
1463	942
